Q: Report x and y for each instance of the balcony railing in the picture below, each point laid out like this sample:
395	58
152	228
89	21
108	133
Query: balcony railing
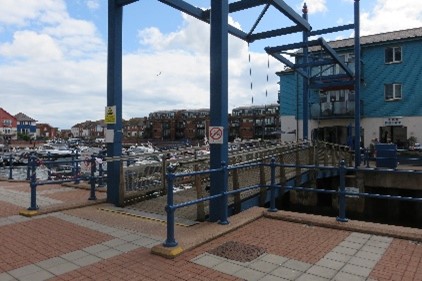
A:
336	109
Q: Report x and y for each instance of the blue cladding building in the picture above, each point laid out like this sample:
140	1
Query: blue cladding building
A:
390	92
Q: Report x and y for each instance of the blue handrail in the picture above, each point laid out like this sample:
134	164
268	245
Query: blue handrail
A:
341	192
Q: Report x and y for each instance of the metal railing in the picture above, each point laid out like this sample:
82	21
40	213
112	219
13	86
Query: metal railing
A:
75	175
274	188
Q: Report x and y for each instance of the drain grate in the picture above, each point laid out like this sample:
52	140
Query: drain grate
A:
237	251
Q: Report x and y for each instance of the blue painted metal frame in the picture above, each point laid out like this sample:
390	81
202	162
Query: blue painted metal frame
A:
114	96
274	189
357	83
305	82
217	17
219	103
355	77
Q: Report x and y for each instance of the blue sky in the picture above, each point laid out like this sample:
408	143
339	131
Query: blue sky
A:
53	54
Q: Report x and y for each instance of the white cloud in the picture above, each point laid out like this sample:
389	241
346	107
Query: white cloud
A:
57	73
22	12
31	45
93	4
391	15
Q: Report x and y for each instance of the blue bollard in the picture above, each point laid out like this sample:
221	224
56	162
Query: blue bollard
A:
49	159
77	172
100	174
273	187
92	179
33	184
341	193
10	166
170	240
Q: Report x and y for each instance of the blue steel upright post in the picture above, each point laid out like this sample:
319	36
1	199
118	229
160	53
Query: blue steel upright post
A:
305	79
170	240
33	184
219	103
341	193
114	97
357	83
10	166
273	187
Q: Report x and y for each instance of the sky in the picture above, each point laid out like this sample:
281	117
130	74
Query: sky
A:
53	54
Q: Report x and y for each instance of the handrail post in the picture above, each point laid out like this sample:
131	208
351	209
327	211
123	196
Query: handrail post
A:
33	184
100	172
10	166
77	173
49	159
224	213
341	193
170	241
28	168
92	179
273	187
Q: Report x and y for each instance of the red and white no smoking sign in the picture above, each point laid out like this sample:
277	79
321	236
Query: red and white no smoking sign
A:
216	134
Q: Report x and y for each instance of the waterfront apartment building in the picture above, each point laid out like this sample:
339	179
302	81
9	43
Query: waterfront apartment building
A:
390	92
246	122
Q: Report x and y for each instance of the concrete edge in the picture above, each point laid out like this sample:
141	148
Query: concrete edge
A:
209	231
60	208
394	231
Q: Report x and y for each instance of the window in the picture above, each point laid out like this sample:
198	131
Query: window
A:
392	92
392	54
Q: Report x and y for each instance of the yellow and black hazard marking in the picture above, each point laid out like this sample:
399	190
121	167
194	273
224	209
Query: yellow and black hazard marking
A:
146	216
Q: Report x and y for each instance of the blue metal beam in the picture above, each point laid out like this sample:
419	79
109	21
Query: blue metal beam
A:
219	105
315	84
334	55
357	83
245	4
259	19
187	8
332	29
291	46
114	97
274	33
307	70
287	62
315	63
121	3
291	14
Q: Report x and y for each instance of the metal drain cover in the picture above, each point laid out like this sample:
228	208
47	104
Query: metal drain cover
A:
237	251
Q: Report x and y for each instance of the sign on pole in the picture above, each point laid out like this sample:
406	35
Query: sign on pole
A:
110	115
216	134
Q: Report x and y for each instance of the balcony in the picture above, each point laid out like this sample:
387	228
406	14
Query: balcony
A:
334	110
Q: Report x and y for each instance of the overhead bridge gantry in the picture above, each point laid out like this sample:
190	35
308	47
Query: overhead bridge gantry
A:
217	17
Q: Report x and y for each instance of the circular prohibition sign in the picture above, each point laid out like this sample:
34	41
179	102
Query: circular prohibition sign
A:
216	134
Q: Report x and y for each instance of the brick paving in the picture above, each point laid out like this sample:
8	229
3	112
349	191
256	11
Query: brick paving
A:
36	240
87	243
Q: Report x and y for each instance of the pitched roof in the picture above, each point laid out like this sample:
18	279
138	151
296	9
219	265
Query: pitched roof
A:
23	117
379	38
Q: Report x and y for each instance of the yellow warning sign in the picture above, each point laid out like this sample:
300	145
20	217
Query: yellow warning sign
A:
110	115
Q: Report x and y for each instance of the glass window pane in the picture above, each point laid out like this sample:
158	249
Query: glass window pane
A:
388	55
397	91
397	54
388	89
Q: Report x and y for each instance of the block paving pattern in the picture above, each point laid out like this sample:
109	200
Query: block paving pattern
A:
88	244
